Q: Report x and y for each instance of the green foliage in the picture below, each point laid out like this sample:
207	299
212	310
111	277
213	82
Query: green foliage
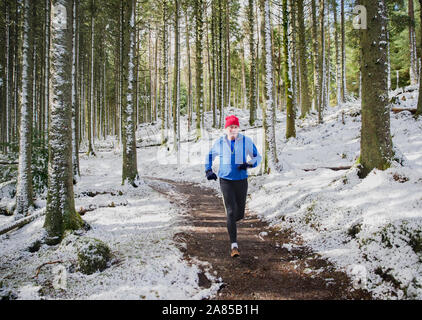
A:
39	164
9	172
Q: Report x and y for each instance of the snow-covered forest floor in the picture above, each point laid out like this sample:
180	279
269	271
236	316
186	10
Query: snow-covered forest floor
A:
138	224
370	228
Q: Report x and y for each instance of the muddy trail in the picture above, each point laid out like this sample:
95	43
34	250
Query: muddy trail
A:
265	269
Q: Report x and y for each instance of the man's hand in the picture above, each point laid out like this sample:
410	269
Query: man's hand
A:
211	175
244	166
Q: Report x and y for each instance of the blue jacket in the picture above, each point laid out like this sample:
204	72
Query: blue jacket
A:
229	160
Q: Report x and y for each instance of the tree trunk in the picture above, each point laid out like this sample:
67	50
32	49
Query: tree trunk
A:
305	103
290	112
199	66
75	102
24	191
419	108
343	56
412	41
90	109
60	211
322	63
376	142
252	76
189	102
165	85
269	104
130	170
317	88
176	91
338	65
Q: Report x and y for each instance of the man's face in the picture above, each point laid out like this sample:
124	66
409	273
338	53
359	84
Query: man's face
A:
232	131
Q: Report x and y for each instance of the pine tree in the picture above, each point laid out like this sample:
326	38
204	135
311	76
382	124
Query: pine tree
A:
419	107
165	76
6	113
24	190
75	103
316	57
130	170
90	108
47	66
269	124
376	142
252	74
343	54
412	44
337	58
290	118
176	91
60	213
322	63
304	86
199	65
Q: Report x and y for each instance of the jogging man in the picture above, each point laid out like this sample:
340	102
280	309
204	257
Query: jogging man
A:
232	149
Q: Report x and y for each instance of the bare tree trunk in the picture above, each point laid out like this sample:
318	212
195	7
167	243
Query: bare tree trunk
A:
75	103
252	75
412	42
199	66
343	56
130	170
60	212
376	142
24	192
271	152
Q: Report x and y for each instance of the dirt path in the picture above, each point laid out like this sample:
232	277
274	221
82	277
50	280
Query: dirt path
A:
265	269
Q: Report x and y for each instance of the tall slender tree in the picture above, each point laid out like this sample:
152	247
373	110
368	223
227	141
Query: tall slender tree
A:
290	111
130	170
376	142
176	91
322	62
337	57
199	65
419	107
252	74
60	213
305	103
269	123
90	108
75	104
343	54
412	45
316	57
165	77
24	190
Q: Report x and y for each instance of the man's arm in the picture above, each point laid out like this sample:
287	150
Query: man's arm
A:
254	154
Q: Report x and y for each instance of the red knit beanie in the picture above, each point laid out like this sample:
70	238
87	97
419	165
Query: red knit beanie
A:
231	120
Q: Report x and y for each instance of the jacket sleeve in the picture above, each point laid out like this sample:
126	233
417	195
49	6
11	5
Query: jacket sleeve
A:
211	156
254	154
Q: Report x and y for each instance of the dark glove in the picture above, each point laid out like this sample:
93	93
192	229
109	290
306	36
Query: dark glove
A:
244	166
211	175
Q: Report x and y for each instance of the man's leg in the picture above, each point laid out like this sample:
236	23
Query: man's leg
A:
241	193
230	206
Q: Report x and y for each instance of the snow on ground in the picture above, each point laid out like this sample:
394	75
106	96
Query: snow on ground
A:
370	228
137	224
